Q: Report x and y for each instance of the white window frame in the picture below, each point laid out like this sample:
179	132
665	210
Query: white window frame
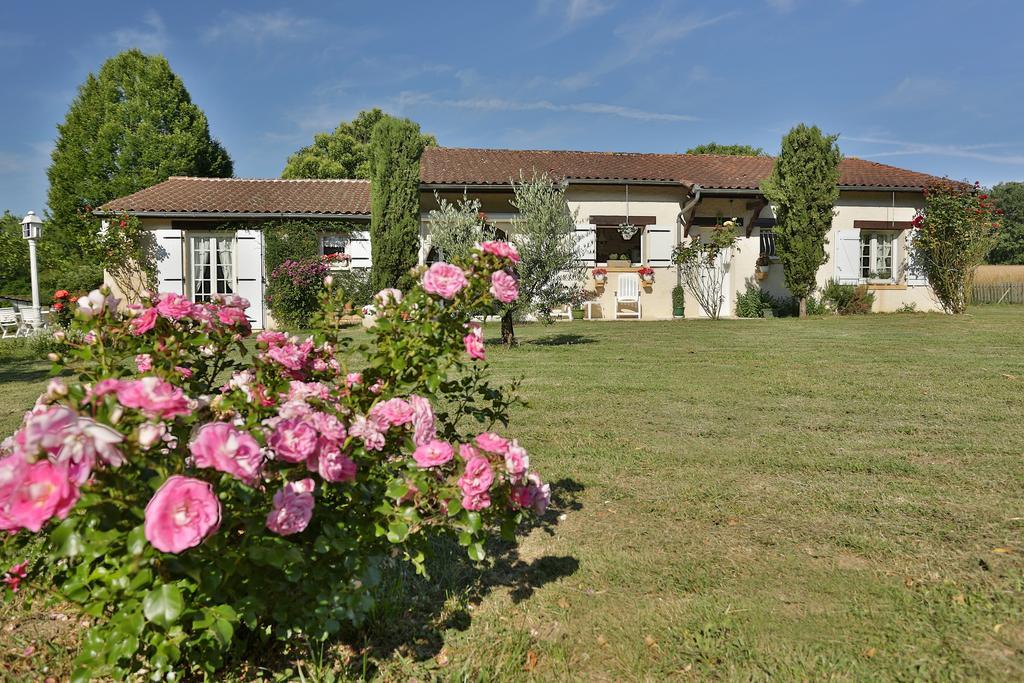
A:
347	239
869	241
190	237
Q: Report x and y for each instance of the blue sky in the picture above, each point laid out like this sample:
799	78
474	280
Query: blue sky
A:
934	86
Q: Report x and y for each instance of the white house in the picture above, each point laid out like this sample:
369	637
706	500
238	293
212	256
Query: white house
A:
210	238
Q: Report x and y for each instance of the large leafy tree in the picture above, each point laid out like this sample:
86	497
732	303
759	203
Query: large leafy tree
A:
457	227
727	150
131	125
395	149
345	153
550	270
1009	198
803	188
14	275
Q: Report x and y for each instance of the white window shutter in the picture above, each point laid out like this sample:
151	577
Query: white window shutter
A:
586	243
661	239
847	271
170	262
914	272
359	249
249	273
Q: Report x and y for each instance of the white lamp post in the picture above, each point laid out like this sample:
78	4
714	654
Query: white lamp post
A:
32	229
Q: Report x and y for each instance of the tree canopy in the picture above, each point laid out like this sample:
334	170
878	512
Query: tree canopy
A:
803	188
130	126
727	150
1009	198
14	275
345	153
395	149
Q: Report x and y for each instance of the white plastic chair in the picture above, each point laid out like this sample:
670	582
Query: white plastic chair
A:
628	293
9	324
562	312
31	321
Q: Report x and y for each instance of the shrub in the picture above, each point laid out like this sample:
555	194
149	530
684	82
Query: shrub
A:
700	265
678	298
188	515
293	290
753	302
847	299
356	285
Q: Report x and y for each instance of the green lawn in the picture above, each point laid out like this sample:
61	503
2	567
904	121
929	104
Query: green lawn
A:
836	498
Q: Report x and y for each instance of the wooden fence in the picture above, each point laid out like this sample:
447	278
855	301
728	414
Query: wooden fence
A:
998	293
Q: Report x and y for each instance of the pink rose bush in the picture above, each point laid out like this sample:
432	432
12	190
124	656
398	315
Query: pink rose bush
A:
193	478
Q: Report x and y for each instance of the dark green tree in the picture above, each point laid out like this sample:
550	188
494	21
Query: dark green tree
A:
803	188
345	153
14	272
1009	198
727	150
395	149
131	125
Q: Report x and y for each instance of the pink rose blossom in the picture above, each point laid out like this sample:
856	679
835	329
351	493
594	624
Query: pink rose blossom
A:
15	575
221	446
150	434
478	476
233	316
541	494
517	461
388	296
502	249
293	508
272	338
154	397
104	387
181	514
336	467
353	378
492	443
293	440
504	287
474	342
433	454
174	306
466	451
444	279
395	412
370	430
423	423
43	491
329	427
143	322
476	501
144	361
183	371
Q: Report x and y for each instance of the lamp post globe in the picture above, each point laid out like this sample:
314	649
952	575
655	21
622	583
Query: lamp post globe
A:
32	230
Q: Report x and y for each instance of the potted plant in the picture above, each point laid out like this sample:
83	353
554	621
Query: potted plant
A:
646	274
600	275
763	265
678	301
620	261
338	261
882	277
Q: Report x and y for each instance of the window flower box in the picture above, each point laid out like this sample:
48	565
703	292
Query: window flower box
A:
646	274
600	275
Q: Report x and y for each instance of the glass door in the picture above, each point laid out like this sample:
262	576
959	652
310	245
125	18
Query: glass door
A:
213	265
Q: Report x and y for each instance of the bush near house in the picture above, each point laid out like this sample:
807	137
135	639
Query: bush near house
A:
293	291
847	299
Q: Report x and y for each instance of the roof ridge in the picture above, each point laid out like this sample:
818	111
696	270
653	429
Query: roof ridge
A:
272	180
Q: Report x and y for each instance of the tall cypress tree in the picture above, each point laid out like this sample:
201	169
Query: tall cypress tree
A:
395	149
131	125
803	188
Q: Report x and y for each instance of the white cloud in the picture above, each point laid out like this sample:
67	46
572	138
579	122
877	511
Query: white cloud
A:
260	27
150	37
907	148
502	104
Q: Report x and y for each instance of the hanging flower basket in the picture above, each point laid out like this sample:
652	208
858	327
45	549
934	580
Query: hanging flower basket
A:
600	275
646	274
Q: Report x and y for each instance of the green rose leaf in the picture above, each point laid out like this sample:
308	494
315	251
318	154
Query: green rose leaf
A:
163	605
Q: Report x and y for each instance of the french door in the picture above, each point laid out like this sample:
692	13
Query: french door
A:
212	259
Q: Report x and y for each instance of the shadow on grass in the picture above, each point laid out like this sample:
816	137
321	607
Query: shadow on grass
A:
23	371
562	340
412	613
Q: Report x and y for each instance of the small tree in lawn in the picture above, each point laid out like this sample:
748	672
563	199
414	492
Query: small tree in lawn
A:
395	149
803	188
953	233
457	227
550	270
700	264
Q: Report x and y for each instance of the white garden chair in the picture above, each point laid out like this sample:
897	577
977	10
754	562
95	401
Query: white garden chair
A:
8	323
562	312
31	321
627	294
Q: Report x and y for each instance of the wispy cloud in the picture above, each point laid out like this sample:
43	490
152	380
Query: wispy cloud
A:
782	5
501	104
642	39
151	36
574	12
907	148
912	91
259	27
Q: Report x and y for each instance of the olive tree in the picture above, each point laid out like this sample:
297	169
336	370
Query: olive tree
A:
457	227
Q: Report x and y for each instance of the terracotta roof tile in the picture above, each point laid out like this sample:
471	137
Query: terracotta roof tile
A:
459	166
180	194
